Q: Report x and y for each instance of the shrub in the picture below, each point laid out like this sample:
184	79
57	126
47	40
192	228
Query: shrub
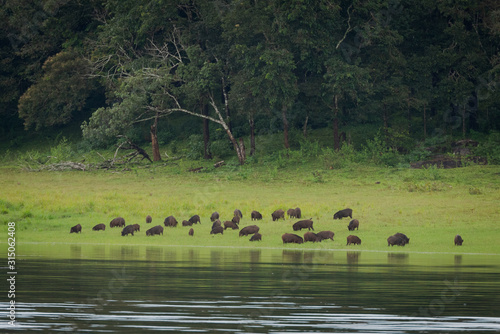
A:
196	146
490	149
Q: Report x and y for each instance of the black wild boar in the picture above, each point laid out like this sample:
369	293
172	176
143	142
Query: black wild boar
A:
76	229
129	229
312	237
256	237
458	240
216	223
353	224
395	240
352	239
256	215
291	213
217	230
403	237
195	220
137	227
308	223
343	214
325	235
214	216
117	222
238	213
278	214
158	229
170	221
236	219
99	227
291	238
149	219
191	231
298	213
231	225
249	230
186	223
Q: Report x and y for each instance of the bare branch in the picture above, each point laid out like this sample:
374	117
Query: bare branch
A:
349	28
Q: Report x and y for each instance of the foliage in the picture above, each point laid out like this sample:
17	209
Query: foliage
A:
490	148
414	69
62	91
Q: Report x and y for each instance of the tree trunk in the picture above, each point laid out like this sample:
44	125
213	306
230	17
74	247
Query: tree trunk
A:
154	140
408	114
425	123
304	131
237	148
252	135
336	139
242	149
463	122
285	127
385	116
206	134
221	121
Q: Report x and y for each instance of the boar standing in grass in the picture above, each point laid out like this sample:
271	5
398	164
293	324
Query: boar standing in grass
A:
186	223
216	223
117	222
231	225
236	219
325	235
195	220
214	216
99	227
278	214
252	229
298	213
191	231
170	221
352	239
237	213
137	227
291	213
353	224
312	237
405	239
308	223
343	214
458	240
217	229
256	215
129	229
395	240
76	229
149	219
256	237
289	238
158	229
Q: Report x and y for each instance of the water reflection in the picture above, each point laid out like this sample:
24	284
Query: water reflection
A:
98	251
76	251
397	258
154	253
166	289
353	258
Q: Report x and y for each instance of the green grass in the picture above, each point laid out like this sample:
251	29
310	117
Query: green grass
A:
430	206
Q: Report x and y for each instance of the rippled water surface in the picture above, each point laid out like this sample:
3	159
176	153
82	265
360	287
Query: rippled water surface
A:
125	289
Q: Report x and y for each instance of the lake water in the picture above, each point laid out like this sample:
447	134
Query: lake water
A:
126	289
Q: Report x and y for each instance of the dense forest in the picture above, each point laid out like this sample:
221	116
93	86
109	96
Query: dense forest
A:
228	71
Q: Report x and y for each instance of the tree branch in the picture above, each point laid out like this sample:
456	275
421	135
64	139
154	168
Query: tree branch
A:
349	28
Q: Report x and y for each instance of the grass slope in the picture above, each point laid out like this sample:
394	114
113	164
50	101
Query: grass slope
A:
430	206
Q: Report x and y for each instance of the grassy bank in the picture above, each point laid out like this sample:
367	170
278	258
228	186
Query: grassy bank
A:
431	206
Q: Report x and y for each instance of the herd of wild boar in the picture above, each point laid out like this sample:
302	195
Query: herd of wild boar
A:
219	227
